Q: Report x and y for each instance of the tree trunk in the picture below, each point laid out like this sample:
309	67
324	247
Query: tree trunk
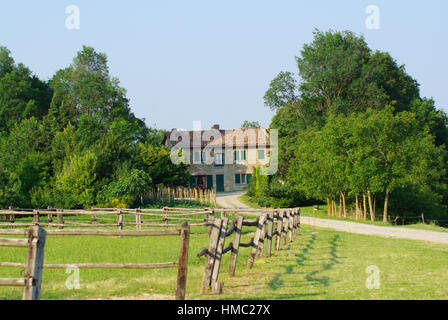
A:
372	210
344	204
340	207
386	205
357	208
328	207
364	202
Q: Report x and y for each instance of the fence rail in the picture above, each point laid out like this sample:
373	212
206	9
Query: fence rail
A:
137	219
33	266
284	225
37	251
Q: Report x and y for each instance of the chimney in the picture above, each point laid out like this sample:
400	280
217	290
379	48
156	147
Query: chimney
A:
216	127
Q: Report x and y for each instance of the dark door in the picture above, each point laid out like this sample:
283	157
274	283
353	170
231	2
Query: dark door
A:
220	183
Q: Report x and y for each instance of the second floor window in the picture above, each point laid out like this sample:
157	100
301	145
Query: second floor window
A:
261	155
219	161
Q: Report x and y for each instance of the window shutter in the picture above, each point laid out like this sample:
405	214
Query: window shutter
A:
209	182
237	179
248	178
192	181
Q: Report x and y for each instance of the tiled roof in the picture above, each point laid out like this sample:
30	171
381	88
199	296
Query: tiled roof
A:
231	137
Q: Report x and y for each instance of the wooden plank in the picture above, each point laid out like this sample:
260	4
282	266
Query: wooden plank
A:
298	222
183	262
235	245
60	219
120	220
162	265
13	282
290	224
138	219
34	265
270	231
5	242
279	229
219	249
112	233
210	258
254	249
285	226
262	239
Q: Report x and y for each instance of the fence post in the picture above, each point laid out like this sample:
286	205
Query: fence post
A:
34	265
279	229
35	217
210	257
270	229
138	219
219	249
261	240
290	224
236	245
285	226
12	217
183	262
298	221
254	249
165	215
120	220
60	219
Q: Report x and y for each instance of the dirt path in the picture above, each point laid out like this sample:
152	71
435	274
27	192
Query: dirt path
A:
230	200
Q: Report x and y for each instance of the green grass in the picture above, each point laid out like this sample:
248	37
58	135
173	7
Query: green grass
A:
319	264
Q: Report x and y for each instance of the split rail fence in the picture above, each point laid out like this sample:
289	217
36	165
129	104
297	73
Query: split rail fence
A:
32	279
121	219
203	196
274	228
181	264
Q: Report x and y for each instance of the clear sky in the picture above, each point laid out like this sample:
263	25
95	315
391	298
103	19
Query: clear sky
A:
213	60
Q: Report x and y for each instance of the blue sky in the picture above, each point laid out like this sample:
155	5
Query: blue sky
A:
212	61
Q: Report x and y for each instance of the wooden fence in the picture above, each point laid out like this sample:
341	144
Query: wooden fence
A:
203	196
32	279
282	224
121	219
181	264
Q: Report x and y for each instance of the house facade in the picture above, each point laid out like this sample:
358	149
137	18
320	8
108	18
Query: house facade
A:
218	159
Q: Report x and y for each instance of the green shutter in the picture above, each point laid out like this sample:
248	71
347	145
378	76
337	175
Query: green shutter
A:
248	178
243	155
237	179
209	182
237	155
192	181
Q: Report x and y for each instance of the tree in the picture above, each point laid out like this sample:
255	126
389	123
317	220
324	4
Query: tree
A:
250	125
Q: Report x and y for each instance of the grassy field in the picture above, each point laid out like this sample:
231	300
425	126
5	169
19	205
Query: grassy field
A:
319	264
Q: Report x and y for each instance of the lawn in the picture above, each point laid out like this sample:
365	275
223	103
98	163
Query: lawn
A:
319	264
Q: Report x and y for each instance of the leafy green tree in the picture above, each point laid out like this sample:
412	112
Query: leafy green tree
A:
250	125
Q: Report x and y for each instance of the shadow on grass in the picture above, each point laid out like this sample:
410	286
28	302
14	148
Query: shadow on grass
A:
334	260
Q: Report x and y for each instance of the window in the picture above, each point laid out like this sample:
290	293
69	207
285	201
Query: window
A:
240	155
237	179
219	159
260	154
197	157
240	178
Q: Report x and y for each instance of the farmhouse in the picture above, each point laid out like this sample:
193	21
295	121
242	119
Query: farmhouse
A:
218	159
